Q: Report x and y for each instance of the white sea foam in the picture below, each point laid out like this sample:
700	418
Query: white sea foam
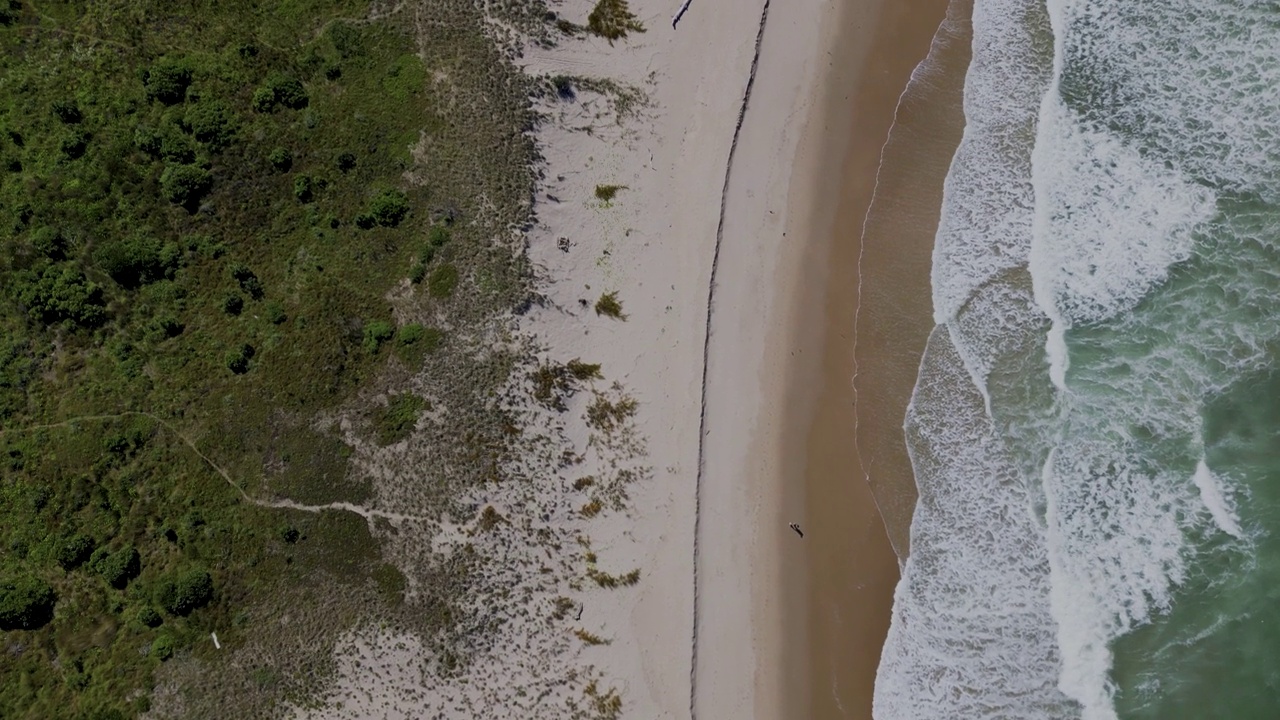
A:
1219	505
1057	419
971	635
1109	223
985	225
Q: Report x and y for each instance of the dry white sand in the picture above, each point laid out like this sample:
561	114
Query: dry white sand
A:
667	143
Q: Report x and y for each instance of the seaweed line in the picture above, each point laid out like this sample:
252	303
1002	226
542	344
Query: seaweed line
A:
706	355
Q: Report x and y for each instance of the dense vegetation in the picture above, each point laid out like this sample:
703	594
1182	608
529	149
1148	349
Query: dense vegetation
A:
204	209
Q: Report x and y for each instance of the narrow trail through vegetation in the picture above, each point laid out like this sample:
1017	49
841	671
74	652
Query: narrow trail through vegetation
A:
368	514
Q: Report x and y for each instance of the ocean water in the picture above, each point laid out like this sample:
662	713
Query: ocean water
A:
1095	429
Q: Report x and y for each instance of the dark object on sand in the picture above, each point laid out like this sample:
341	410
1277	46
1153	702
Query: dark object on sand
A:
680	13
796	527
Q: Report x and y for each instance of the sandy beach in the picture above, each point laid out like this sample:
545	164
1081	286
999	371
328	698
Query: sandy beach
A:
876	320
710	178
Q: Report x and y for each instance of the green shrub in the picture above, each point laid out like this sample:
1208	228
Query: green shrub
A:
183	593
50	243
137	260
281	159
185	184
120	567
62	293
247	280
237	361
264	100
169	326
175	147
388	208
67	111
289	91
162	647
390	581
437	236
396	420
376	333
612	20
609	306
167	81
442	281
148	617
232	304
275	313
74	550
414	341
211	123
347	39
415	334
10	12
417	273
303	188
74	144
26	602
607	193
280	90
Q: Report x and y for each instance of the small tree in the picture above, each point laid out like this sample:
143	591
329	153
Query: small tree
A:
281	159
74	550
62	293
67	112
388	209
183	593
303	188
120	567
137	260
232	304
26	602
280	90
376	333
238	360
167	81
50	243
185	184
211	123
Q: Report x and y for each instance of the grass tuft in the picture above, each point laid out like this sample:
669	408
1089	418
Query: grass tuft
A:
609	306
590	638
612	20
606	193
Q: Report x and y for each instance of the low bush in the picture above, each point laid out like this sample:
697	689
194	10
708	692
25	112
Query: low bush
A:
394	422
185	185
185	592
26	602
376	333
609	306
167	80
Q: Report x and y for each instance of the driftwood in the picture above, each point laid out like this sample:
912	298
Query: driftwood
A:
680	13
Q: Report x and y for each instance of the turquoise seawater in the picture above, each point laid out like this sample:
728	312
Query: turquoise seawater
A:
1095	430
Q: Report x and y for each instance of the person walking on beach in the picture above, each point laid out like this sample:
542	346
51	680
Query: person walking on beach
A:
796	527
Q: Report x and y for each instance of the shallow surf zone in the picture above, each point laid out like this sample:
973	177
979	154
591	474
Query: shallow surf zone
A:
1093	431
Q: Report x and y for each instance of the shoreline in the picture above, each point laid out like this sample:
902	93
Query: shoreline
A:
842	613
